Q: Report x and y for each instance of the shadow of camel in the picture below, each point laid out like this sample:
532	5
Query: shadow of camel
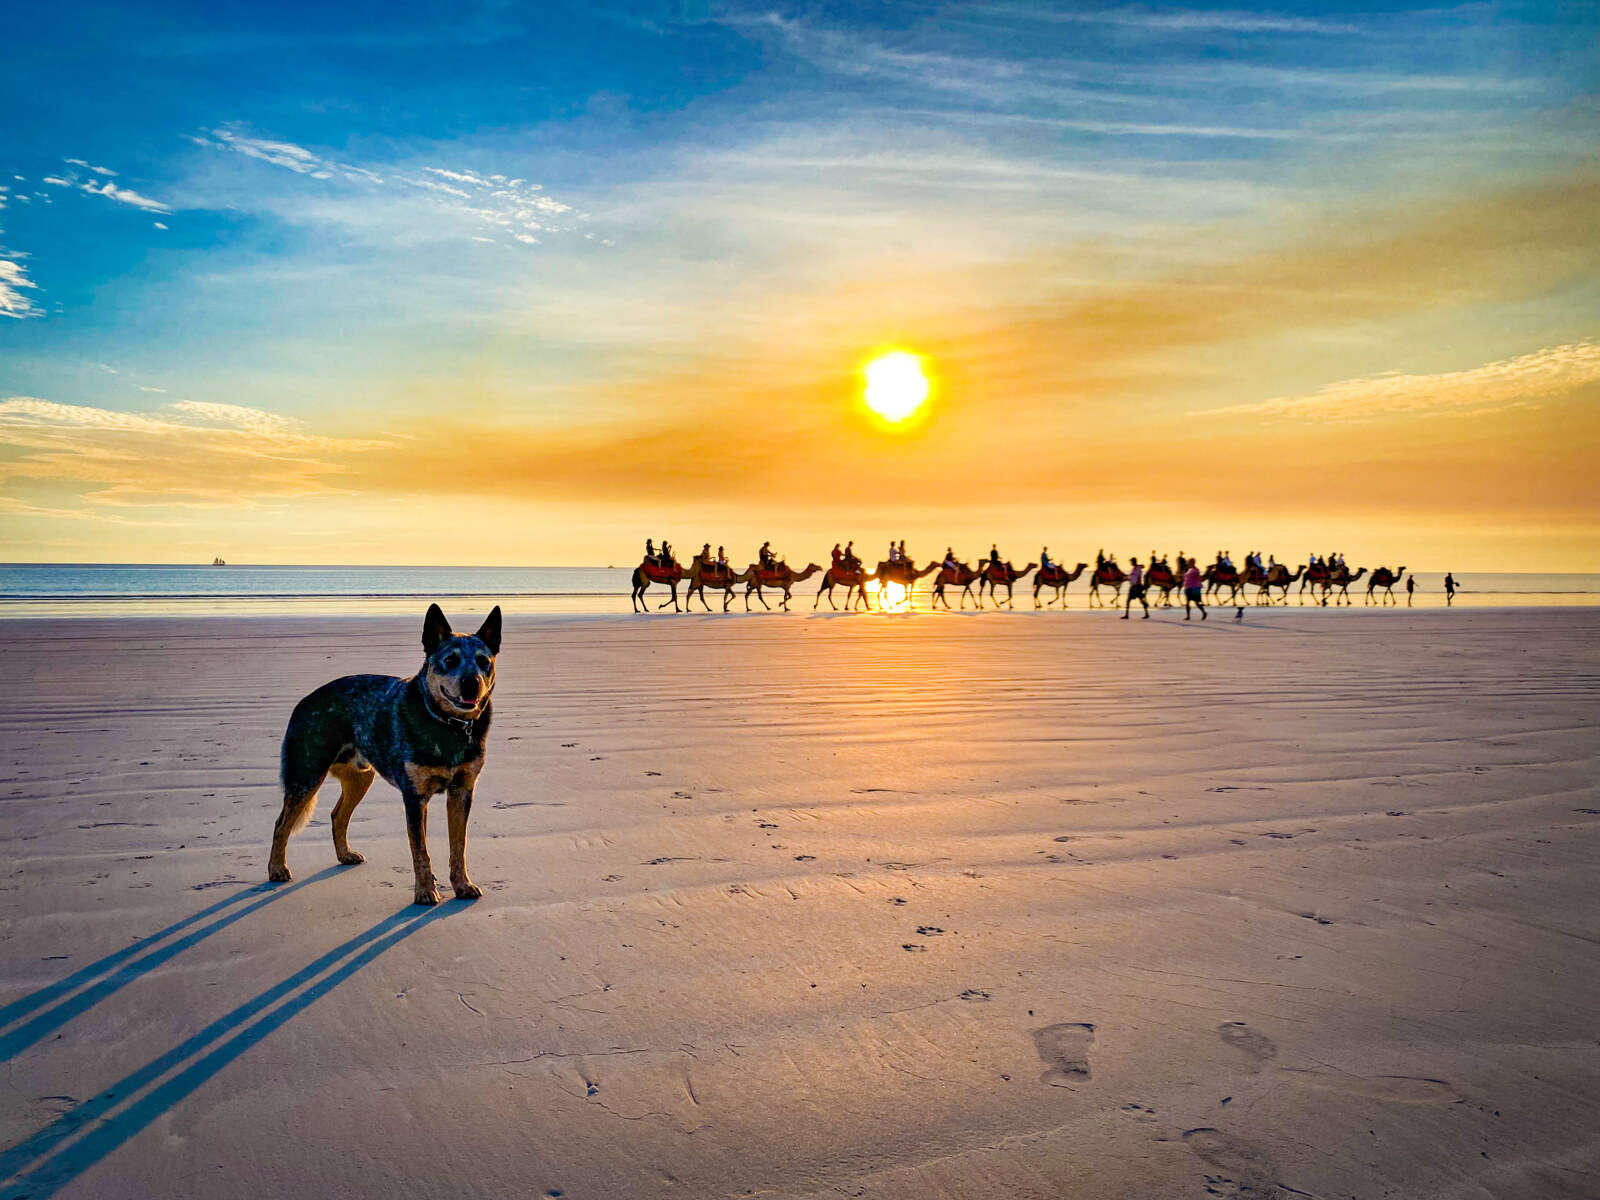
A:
43	1163
115	971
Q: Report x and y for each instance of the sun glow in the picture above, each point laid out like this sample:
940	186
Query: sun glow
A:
891	596
896	385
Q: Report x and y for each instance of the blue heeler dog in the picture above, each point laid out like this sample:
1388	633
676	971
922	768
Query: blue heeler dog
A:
424	735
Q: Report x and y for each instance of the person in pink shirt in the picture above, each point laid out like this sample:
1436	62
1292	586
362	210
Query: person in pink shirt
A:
1136	588
1192	594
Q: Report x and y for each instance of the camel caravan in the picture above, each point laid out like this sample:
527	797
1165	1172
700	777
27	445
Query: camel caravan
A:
893	582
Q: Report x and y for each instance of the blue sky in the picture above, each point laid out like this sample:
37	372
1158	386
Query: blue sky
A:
582	233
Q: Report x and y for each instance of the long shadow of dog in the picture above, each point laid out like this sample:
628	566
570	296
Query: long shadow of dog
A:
41	1164
117	970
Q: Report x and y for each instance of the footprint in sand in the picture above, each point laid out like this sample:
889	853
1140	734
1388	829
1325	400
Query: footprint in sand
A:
1236	1169
1064	1050
1397	1089
1257	1047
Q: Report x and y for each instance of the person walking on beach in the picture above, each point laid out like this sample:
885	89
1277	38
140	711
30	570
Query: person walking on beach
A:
1192	593
1136	589
1411	588
1450	586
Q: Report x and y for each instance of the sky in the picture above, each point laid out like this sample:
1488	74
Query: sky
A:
506	283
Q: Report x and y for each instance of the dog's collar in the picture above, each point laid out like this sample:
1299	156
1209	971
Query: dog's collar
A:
462	723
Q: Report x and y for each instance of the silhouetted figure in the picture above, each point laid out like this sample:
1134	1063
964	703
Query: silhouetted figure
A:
1136	589
1193	595
1411	588
1450	586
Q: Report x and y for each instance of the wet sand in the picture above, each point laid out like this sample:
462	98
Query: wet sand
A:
1012	905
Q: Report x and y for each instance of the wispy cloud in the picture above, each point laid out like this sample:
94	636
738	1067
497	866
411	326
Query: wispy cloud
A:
495	202
1184	20
191	453
124	195
14	287
1491	388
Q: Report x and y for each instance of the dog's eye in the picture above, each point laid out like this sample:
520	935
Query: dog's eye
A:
450	661
483	662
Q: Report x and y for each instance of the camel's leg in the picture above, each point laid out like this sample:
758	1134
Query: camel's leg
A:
354	777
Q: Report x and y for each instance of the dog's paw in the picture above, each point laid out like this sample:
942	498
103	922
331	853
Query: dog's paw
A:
467	890
350	858
427	895
279	874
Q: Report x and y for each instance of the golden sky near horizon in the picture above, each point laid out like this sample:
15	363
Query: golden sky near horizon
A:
1378	344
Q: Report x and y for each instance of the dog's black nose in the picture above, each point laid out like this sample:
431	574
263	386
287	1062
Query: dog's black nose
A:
470	687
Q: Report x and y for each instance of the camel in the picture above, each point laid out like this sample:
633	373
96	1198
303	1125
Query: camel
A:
703	575
961	576
1279	577
1056	577
1385	579
1108	575
904	573
994	576
647	573
852	578
781	576
1316	575
1216	578
1341	578
1161	577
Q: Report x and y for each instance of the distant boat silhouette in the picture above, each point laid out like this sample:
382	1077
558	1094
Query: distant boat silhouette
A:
217	562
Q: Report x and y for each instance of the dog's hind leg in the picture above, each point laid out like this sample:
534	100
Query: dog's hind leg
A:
317	737
297	806
355	776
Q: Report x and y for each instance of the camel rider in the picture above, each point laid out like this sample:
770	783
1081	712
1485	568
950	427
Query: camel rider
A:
850	554
650	552
994	554
837	555
1044	560
722	559
902	552
950	563
1099	561
765	557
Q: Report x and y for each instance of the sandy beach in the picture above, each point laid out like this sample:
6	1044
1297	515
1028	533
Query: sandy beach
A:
1034	905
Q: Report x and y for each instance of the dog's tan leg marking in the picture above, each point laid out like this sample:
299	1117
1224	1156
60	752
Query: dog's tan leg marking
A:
459	808
354	777
296	812
422	782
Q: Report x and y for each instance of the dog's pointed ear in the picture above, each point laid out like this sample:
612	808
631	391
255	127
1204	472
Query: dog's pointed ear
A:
435	628
489	634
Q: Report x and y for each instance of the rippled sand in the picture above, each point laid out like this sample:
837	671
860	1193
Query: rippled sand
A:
1010	905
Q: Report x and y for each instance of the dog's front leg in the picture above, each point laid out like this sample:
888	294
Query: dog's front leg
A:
459	809
416	803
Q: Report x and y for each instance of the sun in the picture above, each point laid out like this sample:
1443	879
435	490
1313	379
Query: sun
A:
896	385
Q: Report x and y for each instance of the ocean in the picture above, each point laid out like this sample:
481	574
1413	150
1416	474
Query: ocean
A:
102	590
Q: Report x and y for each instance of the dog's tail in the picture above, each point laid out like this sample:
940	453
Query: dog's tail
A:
297	811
